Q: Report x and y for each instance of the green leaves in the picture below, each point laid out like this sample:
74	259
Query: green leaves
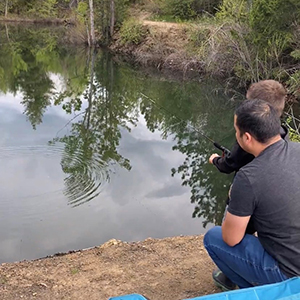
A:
233	10
132	32
272	19
18	64
295	54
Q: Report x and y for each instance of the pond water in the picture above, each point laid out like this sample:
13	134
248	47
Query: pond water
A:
92	149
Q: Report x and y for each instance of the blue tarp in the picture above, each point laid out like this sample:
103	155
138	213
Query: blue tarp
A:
129	297
286	290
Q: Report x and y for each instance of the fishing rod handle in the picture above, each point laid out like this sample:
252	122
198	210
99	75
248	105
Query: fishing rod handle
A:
225	151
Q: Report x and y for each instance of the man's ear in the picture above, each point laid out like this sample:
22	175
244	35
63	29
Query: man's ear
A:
247	137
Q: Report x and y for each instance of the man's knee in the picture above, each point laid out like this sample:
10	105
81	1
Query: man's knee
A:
213	236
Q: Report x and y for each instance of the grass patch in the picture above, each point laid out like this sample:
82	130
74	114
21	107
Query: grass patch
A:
74	271
164	18
132	32
3	280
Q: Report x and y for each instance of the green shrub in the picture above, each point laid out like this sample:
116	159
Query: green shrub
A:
132	32
294	134
293	84
205	6
295	54
180	9
82	11
44	9
233	10
121	11
198	38
223	50
273	18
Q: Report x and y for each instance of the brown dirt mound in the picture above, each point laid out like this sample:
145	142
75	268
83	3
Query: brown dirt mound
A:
166	269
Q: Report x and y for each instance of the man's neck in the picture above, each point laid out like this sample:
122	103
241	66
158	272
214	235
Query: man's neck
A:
261	147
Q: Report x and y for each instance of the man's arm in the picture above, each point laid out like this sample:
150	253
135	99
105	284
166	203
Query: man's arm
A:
232	163
234	228
241	206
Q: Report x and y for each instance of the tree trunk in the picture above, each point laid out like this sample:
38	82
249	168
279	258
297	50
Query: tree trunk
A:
7	35
87	117
88	35
6	8
92	22
112	17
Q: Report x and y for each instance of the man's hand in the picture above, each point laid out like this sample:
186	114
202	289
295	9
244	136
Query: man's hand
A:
212	157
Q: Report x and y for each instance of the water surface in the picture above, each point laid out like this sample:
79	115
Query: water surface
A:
93	149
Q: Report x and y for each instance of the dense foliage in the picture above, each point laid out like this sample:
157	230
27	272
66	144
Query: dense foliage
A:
179	10
252	40
249	39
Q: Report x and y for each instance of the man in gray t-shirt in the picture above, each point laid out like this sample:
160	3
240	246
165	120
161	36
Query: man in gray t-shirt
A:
267	190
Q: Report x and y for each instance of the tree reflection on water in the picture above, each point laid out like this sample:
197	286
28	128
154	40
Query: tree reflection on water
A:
107	98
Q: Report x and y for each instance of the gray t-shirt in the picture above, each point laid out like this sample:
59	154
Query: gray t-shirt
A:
268	189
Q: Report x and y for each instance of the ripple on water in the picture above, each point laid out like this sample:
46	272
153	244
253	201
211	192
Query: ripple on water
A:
85	175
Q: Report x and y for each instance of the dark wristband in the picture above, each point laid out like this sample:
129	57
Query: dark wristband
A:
215	160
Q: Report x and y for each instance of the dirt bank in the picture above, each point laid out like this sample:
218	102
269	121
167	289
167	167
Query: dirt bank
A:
166	269
164	46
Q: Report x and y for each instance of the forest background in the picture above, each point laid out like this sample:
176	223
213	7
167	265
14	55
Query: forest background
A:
240	40
247	39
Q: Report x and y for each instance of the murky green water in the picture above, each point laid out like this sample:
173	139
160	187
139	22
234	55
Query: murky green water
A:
92	149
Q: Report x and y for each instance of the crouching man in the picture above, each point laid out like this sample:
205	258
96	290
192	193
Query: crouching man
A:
267	190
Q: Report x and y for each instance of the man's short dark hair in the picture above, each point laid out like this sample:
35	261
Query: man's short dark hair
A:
258	118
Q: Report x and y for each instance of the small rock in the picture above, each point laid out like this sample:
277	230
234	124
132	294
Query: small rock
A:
111	243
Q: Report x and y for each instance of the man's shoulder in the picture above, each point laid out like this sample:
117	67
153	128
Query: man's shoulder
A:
253	168
294	147
289	146
250	170
279	155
